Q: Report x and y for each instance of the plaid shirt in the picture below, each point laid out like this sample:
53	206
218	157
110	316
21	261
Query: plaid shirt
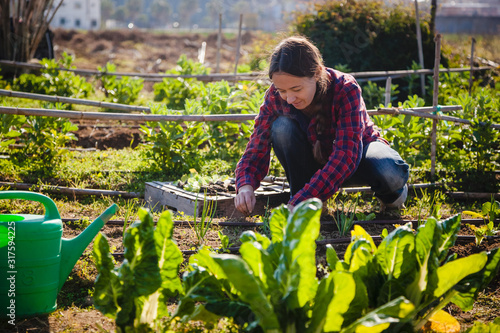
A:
342	141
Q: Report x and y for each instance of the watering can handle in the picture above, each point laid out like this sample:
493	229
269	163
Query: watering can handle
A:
51	212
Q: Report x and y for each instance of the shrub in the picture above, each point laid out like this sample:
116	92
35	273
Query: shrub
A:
53	81
123	90
366	35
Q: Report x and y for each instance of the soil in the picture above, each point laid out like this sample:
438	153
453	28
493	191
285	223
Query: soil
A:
139	51
78	314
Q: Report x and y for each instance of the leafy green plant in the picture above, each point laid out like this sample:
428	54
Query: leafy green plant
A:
364	217
10	129
489	212
173	146
273	286
224	241
415	266
408	135
480	327
135	294
194	182
52	81
201	228
124	90
480	232
428	203
345	214
41	141
394	287
177	90
374	95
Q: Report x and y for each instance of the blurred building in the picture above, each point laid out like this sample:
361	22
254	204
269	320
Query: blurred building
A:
78	14
468	16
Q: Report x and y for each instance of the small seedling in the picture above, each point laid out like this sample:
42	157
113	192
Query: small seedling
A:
200	228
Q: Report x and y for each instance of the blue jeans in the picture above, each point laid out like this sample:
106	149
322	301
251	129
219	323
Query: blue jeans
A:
381	167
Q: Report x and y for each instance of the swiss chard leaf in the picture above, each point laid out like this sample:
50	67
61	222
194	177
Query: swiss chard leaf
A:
469	288
379	320
451	273
426	263
296	271
249	289
260	263
333	299
107	284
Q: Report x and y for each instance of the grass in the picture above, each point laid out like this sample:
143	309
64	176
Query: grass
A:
458	46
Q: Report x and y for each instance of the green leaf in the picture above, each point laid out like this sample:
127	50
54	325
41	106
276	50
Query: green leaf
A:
297	268
251	236
249	289
169	255
333	298
448	230
260	264
451	273
426	262
472	285
378	320
277	223
332	258
394	251
107	285
140	253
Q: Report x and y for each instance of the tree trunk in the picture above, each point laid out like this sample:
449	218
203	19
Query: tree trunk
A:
432	23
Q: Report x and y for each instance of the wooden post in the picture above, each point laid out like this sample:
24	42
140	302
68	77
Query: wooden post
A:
420	48
471	65
219	41
201	53
238	46
435	93
388	84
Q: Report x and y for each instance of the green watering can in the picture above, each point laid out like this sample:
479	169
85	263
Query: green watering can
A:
35	260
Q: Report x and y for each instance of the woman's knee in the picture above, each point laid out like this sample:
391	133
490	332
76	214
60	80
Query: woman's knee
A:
283	131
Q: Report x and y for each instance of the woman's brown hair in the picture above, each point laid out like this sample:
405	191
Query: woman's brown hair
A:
299	57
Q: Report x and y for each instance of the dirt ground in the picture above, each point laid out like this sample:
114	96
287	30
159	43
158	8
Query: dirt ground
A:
138	51
157	53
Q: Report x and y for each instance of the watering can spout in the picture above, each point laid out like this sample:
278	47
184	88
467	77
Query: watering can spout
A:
72	249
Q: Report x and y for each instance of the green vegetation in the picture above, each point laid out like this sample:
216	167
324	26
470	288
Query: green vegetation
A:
135	294
467	157
272	285
124	90
347	31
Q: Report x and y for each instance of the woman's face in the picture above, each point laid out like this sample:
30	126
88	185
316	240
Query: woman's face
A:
297	91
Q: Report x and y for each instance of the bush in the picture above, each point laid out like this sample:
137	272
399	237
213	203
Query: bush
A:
52	81
366	35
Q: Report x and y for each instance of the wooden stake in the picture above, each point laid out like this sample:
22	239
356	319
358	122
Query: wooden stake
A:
69	100
435	93
238	46
70	190
388	91
471	65
219	42
124	116
434	116
420	48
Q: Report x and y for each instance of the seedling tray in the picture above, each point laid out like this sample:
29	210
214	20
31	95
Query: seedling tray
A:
166	195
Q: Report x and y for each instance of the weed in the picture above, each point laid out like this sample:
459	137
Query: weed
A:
344	218
200	228
428	204
490	210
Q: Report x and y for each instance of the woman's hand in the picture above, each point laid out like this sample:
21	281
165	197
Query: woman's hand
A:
245	199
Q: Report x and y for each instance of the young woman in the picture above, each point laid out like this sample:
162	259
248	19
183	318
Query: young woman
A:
316	121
